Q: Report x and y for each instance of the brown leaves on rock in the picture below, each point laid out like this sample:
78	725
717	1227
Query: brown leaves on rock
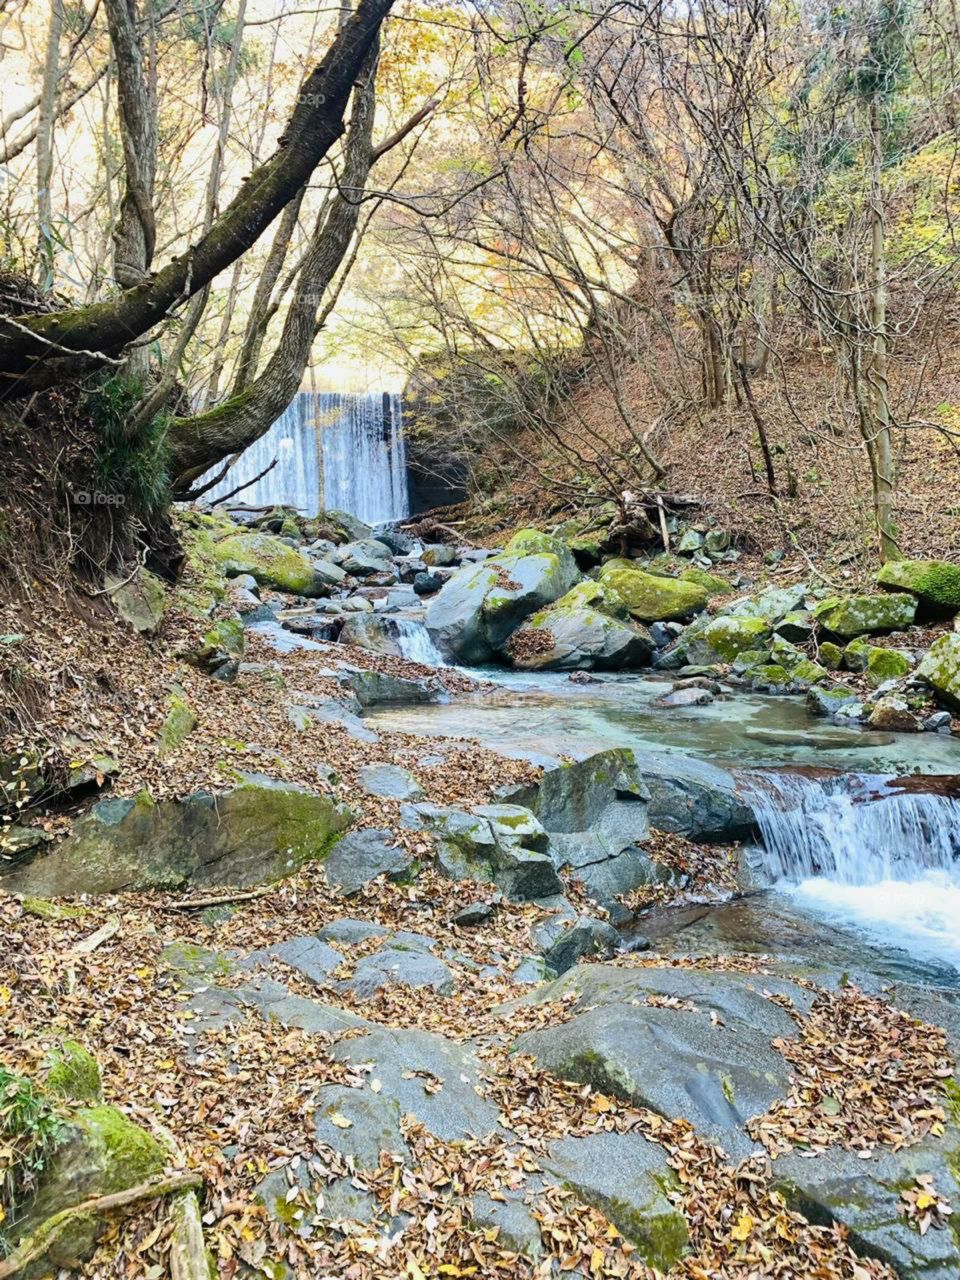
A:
867	1075
924	1206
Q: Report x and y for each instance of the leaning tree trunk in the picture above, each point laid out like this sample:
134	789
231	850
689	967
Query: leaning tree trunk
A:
44	350
196	444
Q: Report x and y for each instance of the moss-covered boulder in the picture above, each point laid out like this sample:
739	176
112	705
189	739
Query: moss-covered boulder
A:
272	562
578	638
99	1151
713	585
651	598
829	700
830	655
74	1073
941	668
260	830
723	639
530	542
886	664
179	723
934	583
849	616
480	607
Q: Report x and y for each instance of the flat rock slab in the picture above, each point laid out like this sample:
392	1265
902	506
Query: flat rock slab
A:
864	1195
410	1066
307	955
390	781
715	1071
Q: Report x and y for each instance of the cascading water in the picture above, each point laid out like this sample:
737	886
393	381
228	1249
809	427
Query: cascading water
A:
332	450
864	848
413	641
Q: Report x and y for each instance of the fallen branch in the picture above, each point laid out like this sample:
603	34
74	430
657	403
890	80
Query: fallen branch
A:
102	935
38	1244
187	1256
196	904
247	484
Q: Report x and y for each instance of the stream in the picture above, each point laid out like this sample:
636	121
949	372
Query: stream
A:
861	830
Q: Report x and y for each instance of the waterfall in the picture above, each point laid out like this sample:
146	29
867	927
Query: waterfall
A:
414	643
332	450
854	830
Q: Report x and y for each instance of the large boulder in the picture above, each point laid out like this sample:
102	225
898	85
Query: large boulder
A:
575	633
97	1152
140	600
773	604
850	616
721	1068
271	561
693	798
723	639
482	605
261	830
651	598
941	668
935	583
503	845
837	1188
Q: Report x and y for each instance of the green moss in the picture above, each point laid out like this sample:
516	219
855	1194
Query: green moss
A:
74	1073
724	639
850	616
44	909
650	598
270	561
131	1154
180	722
709	581
941	668
192	961
831	655
771	675
885	664
591	595
935	583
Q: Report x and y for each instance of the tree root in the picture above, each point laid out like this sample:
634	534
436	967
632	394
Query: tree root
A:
49	1231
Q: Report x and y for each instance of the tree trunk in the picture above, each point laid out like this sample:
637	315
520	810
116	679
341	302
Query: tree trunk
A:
46	115
44	350
884	471
197	443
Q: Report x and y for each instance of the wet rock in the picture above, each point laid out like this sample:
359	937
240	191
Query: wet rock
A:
379	688
390	781
261	830
693	798
895	716
361	856
939	720
684	697
425	584
362	558
827	700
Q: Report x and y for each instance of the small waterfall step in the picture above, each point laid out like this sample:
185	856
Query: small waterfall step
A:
853	829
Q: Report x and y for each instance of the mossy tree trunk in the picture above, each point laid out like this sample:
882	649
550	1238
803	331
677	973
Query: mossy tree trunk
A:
47	350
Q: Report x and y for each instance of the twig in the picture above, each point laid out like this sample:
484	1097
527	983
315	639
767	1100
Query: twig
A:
36	1245
247	483
102	935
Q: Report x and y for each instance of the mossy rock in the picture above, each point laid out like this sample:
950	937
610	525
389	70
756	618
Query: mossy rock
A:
99	1152
724	639
592	595
650	598
849	616
886	664
831	655
531	542
272	562
941	668
935	583
45	909
260	831
771	677
713	585
180	722
140	600
74	1073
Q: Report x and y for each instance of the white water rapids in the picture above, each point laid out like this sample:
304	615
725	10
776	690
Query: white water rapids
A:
857	848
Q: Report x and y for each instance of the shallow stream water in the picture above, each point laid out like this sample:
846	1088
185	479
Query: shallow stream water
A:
864	870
